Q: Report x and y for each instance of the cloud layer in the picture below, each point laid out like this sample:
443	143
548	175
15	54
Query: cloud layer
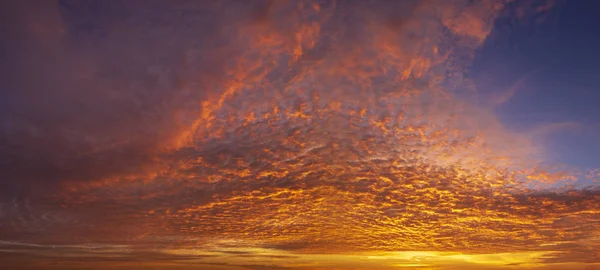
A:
268	130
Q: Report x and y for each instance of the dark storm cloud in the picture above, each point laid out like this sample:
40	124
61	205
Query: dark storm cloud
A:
91	89
60	109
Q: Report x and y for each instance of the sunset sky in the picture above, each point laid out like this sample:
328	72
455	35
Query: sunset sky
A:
298	134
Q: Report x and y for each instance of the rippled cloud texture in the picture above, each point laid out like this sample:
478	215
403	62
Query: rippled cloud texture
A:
273	135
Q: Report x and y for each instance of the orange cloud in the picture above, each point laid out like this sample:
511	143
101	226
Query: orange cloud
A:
289	130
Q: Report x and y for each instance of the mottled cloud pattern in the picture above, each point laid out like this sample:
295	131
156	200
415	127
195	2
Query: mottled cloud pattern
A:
264	134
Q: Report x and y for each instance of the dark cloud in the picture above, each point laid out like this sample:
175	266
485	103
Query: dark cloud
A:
90	89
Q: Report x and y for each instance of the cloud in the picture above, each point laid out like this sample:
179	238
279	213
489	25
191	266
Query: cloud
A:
295	126
94	94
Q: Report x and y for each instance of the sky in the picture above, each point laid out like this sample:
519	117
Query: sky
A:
298	134
555	62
